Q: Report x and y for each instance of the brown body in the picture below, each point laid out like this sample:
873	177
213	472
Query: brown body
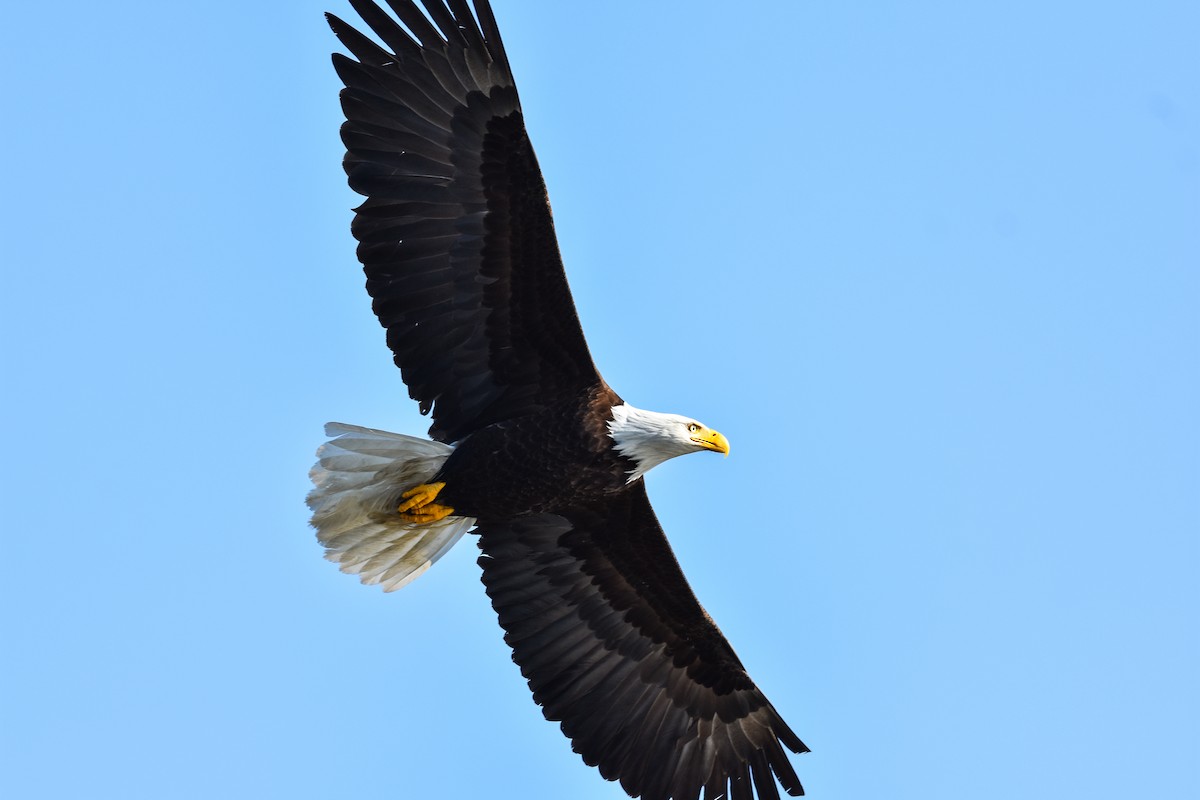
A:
547	460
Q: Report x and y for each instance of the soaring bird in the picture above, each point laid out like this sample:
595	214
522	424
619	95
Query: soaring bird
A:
529	447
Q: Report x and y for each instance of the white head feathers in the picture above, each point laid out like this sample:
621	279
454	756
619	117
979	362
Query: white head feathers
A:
648	438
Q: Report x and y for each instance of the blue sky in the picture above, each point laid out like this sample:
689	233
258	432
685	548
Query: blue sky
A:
957	354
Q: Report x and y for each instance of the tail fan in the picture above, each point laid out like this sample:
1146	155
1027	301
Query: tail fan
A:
358	479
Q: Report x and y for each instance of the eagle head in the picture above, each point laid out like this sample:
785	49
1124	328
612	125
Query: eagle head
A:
648	438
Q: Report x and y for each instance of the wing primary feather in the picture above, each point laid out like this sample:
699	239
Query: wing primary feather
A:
785	734
416	22
764	781
363	87
364	48
690	773
717	786
783	768
407	62
470	69
450	27
411	96
467	27
738	743
386	28
740	787
491	33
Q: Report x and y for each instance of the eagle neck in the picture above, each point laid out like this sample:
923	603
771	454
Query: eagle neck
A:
639	437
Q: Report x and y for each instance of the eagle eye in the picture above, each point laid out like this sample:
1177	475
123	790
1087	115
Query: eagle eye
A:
693	427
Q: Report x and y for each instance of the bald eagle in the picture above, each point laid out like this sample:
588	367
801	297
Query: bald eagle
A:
529	447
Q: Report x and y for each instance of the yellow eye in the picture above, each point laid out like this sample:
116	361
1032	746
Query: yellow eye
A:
693	427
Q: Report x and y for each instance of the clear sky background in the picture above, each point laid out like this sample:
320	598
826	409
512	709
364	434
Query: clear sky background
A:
933	267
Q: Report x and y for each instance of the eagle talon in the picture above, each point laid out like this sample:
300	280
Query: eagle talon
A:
426	514
418	506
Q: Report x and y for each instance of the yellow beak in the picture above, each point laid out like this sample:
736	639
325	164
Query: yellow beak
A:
711	440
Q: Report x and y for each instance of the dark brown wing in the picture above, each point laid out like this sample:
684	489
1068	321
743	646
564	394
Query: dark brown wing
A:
456	235
616	647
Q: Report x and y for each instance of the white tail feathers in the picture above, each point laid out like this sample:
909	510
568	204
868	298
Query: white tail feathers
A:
358	478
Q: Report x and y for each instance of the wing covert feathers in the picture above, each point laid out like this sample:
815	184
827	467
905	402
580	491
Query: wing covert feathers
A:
456	235
649	692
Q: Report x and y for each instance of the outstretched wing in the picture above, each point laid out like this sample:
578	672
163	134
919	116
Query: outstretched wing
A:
456	236
616	647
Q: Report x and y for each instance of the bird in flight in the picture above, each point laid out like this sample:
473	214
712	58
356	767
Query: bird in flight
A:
529	447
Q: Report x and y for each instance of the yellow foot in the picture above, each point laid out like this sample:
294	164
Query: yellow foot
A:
426	514
418	506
